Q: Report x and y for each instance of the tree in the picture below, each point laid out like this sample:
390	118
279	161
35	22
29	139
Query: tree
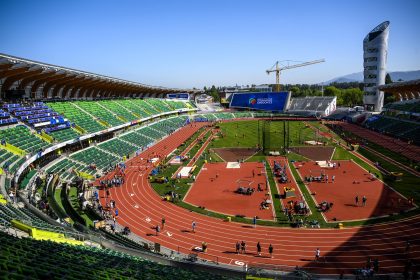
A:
331	91
388	96
214	92
295	91
352	96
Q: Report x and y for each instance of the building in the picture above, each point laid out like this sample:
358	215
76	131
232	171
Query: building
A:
375	51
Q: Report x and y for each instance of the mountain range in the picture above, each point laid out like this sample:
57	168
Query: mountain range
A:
358	77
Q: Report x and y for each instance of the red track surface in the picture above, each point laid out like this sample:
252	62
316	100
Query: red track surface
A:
341	250
216	193
343	192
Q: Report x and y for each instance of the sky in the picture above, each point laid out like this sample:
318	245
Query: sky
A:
186	44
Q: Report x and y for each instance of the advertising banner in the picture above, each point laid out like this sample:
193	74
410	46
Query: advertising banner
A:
267	101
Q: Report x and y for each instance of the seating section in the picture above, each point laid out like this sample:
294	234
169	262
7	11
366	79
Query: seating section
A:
77	116
64	134
146	106
116	146
135	109
21	137
310	104
176	105
168	126
9	212
25	258
137	139
99	112
101	159
93	116
38	116
120	111
105	155
411	106
66	167
158	104
5	155
10	162
407	130
152	133
242	114
6	119
155	105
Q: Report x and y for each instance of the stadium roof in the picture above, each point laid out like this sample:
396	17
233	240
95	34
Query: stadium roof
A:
42	80
409	89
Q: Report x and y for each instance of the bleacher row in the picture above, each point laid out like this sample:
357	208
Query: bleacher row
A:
5	118
10	212
25	258
411	106
407	130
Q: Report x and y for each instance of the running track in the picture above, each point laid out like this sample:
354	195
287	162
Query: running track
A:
341	250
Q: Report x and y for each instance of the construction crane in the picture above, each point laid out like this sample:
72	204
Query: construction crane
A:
277	69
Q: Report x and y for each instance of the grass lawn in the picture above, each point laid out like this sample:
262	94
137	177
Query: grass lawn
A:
237	134
75	204
57	198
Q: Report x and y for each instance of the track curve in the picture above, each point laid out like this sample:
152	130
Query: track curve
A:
342	251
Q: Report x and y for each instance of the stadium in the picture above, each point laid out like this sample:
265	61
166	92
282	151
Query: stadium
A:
106	178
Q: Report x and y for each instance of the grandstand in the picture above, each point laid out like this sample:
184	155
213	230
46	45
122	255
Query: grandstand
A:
313	105
401	129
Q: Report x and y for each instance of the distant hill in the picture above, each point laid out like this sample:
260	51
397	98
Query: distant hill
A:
358	77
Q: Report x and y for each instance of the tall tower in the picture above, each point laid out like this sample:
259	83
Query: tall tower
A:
375	52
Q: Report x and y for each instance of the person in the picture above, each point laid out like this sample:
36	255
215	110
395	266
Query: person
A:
364	200
12	196
369	263
163	222
333	178
356	199
407	247
116	213
204	247
243	247
317	254
193	225
259	248
270	250
237	246
376	265
254	221
157	230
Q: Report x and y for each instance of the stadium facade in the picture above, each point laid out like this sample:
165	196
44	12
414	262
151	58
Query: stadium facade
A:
375	52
